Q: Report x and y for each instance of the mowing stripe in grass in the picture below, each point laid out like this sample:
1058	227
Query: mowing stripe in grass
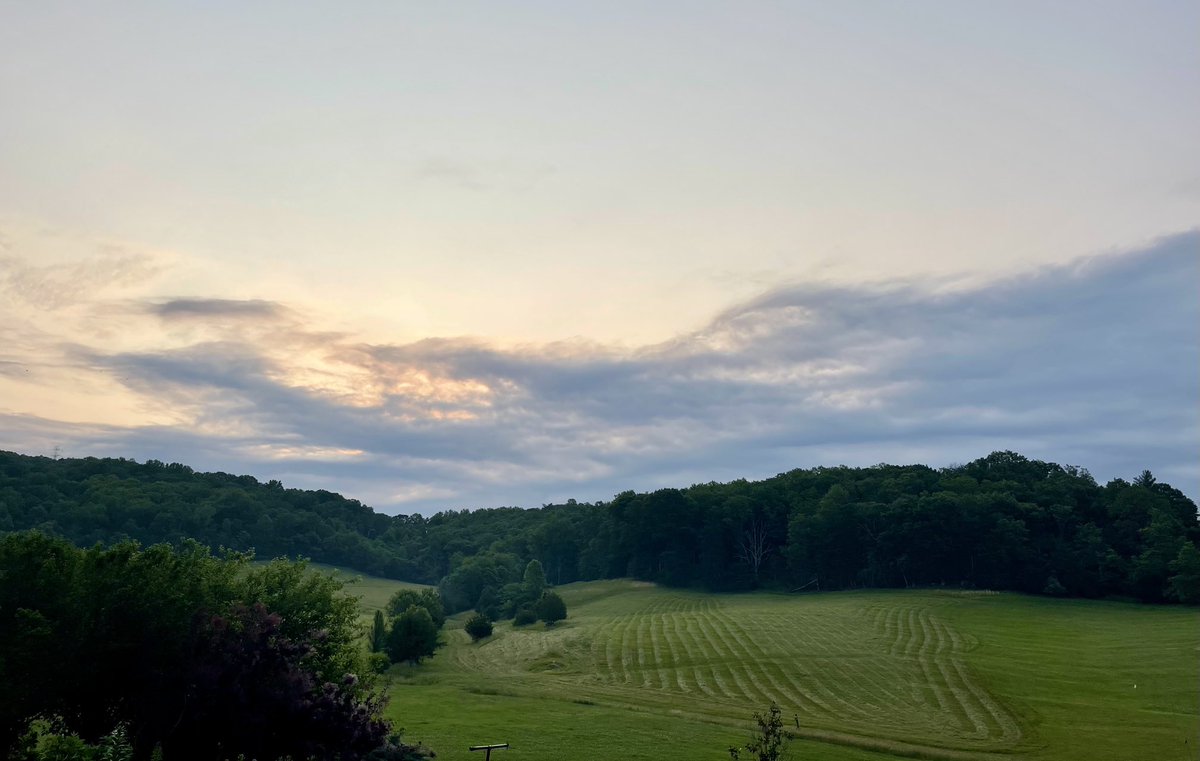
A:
898	672
638	651
772	652
1009	730
741	669
666	675
687	637
814	681
629	653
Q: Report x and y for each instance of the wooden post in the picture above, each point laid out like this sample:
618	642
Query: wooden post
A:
488	749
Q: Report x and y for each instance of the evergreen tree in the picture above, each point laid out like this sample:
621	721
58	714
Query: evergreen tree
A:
534	580
478	626
378	632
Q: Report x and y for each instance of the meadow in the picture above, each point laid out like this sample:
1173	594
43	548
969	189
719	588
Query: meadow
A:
372	592
644	672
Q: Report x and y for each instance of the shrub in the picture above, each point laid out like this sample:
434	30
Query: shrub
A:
394	749
551	608
479	626
766	744
183	654
379	663
1054	587
63	748
187	650
115	746
524	617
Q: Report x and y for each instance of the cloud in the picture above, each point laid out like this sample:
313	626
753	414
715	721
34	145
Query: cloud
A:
57	285
454	172
217	309
486	176
1095	364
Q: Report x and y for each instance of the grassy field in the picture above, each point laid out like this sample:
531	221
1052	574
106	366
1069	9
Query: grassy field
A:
643	672
373	592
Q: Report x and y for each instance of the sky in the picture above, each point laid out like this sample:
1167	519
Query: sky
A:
466	255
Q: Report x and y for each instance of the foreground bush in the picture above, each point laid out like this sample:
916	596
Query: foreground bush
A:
197	656
42	744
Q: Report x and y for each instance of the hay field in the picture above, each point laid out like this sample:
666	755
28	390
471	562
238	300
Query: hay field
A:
639	671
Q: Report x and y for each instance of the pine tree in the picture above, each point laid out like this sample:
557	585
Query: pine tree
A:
378	632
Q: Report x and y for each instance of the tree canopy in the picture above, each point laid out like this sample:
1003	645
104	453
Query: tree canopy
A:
1003	521
413	636
429	599
198	655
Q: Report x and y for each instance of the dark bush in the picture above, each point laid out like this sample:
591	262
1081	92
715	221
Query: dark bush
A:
201	656
478	626
524	617
551	608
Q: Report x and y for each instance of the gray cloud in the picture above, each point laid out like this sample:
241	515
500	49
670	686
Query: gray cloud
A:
217	308
12	368
1096	364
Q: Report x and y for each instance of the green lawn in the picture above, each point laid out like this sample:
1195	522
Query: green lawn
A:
643	672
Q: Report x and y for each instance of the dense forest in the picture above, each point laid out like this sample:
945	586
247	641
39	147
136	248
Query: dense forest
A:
1000	522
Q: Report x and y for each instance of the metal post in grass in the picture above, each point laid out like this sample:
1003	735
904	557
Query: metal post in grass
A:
488	749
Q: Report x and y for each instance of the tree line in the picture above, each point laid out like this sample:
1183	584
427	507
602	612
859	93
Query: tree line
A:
1002	522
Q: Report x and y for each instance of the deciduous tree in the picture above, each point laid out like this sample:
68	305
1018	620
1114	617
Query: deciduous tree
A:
429	599
1184	584
768	742
413	636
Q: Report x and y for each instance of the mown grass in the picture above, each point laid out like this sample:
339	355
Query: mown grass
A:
373	592
639	671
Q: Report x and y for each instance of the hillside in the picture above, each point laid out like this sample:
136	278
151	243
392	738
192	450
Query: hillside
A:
640	671
93	500
1000	522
